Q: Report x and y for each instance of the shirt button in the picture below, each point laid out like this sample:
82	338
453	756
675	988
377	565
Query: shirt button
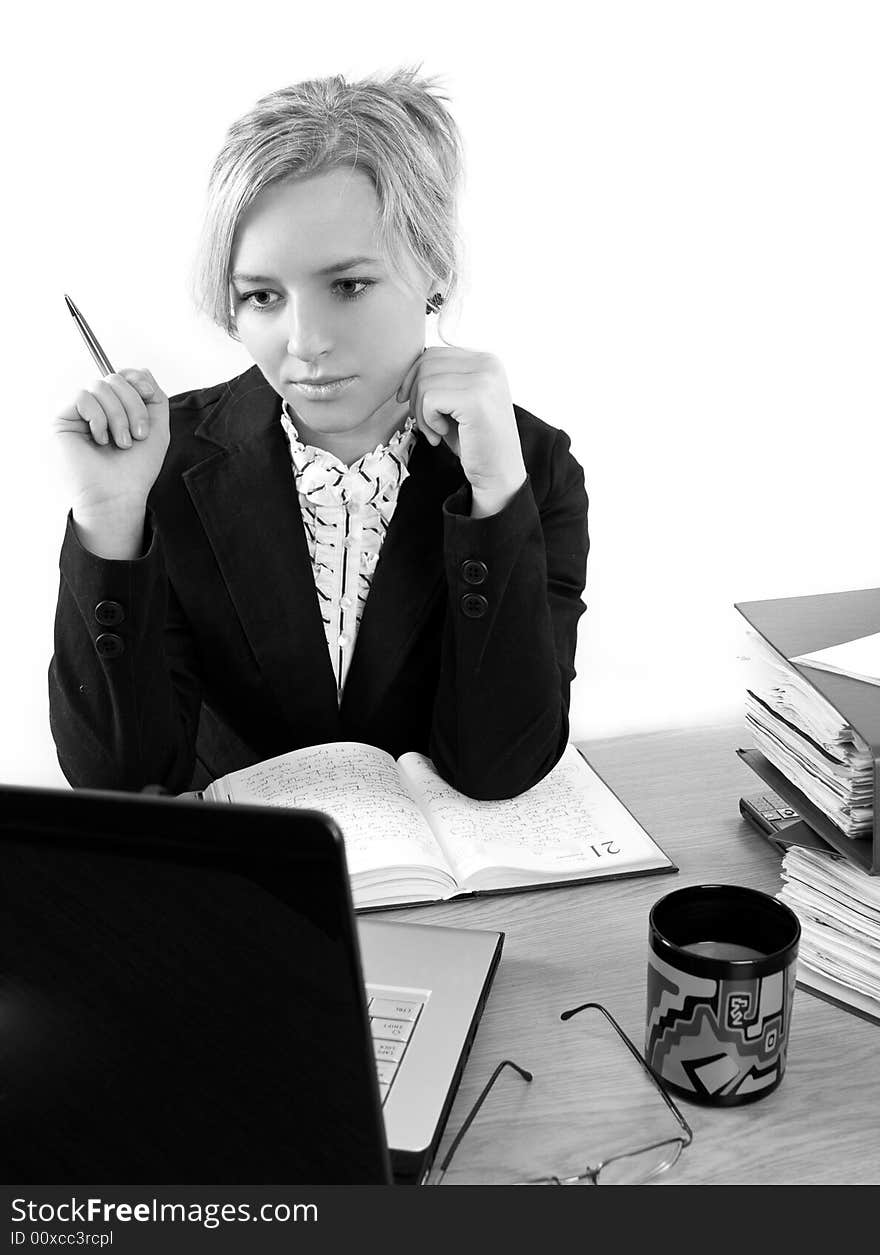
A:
474	572
346	602
354	507
342	640
109	645
473	605
109	613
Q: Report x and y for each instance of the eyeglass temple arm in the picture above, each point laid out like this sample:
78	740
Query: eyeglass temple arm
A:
505	1063
597	1006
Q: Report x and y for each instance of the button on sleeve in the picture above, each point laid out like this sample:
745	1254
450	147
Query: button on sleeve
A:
109	613
109	645
474	605
473	571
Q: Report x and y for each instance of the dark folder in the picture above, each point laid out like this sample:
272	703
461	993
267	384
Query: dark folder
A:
801	625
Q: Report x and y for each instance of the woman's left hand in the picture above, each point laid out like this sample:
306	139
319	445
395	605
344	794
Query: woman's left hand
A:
462	397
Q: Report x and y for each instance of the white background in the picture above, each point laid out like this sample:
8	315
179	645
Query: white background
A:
671	216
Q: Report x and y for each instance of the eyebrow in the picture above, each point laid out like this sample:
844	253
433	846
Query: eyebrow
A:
348	264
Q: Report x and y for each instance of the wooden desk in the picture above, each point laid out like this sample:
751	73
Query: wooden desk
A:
566	946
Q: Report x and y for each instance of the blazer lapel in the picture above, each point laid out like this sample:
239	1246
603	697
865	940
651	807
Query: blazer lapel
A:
246	500
409	580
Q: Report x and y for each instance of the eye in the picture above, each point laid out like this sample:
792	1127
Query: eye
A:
259	300
351	289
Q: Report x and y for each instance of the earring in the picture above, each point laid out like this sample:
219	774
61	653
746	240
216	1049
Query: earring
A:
434	303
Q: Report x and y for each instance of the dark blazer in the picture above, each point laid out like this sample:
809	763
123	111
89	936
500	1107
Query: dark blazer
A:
208	653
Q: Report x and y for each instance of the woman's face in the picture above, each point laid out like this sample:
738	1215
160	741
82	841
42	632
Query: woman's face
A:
313	301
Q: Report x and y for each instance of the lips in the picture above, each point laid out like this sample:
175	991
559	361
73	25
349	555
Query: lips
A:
327	388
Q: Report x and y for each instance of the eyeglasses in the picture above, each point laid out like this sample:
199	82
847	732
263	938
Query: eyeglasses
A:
601	1095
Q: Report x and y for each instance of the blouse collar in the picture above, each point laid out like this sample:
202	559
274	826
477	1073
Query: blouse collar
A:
400	445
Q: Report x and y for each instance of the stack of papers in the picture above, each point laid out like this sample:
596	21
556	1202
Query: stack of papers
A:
838	906
805	738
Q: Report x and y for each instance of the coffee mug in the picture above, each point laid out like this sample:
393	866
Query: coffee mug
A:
721	976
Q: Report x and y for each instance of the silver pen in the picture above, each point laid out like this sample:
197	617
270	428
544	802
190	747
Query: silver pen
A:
99	357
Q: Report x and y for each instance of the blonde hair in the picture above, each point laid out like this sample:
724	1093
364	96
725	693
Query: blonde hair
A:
397	130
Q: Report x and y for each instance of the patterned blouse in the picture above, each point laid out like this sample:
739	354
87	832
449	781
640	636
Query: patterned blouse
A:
346	511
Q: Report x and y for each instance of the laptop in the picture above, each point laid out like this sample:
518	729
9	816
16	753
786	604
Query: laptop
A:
188	998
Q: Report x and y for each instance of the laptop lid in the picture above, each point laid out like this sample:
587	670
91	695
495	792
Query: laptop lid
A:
182	995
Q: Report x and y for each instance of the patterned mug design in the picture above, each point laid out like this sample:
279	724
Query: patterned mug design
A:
717	1030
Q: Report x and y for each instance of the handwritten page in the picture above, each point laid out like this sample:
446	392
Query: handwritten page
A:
568	825
358	786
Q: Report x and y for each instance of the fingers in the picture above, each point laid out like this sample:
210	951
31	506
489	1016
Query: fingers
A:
115	408
431	419
447	363
145	384
436	360
436	410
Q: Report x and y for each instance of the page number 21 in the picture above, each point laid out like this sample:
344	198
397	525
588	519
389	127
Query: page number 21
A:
605	847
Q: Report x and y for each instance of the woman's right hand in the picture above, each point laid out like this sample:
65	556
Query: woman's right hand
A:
111	444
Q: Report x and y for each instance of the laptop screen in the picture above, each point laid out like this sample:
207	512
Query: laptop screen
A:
182	997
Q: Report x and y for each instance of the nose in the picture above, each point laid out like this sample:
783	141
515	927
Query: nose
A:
308	331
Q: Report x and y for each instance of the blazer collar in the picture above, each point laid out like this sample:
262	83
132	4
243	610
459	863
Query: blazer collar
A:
409	581
248	408
246	500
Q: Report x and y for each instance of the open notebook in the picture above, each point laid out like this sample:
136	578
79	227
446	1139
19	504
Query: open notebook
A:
410	837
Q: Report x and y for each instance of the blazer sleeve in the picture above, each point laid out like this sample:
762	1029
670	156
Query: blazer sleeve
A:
124	687
514	580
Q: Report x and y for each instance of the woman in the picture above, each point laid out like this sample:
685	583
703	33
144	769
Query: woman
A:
223	599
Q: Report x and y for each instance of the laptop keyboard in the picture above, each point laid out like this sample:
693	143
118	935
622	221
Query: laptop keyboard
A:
394	1014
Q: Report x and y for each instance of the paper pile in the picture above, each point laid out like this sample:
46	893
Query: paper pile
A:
807	740
838	906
